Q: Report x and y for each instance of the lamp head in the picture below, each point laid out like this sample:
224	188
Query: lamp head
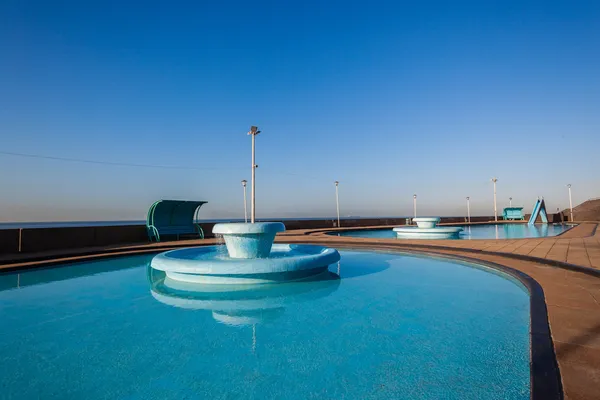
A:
253	130
336	183
244	182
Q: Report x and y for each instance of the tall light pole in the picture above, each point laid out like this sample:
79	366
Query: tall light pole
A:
414	206
245	202
495	206
253	131
570	201
510	201
337	202
469	209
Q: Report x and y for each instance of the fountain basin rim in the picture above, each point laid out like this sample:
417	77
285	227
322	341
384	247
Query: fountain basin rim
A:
241	228
305	257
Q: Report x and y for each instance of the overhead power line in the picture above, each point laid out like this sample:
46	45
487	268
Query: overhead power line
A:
136	165
119	164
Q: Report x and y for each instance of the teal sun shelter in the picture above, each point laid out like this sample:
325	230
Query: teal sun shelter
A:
513	213
174	218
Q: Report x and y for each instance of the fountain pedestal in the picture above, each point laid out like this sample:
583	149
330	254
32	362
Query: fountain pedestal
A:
426	222
249	240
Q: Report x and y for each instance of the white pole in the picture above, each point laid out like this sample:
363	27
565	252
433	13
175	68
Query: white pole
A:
245	202
510	201
468	209
253	131
414	206
570	202
253	179
337	202
495	206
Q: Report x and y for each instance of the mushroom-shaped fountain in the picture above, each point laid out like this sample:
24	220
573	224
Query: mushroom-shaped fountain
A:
251	258
427	229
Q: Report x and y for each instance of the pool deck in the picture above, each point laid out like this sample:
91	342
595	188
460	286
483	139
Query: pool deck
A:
567	267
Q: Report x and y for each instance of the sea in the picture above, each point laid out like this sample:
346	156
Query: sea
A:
70	224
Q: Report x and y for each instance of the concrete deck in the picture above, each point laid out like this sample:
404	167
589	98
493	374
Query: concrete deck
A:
567	267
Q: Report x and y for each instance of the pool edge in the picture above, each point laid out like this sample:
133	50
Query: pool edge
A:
546	379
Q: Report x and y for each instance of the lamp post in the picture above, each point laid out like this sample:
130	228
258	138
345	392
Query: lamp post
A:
337	202
495	206
245	202
510	201
414	206
570	202
469	209
253	131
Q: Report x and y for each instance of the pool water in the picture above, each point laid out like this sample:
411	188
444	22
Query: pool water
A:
375	326
491	231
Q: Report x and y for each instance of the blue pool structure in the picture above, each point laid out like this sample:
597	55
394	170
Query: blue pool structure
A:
248	257
374	325
487	231
211	264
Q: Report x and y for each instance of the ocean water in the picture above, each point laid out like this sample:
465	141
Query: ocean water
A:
375	326
62	224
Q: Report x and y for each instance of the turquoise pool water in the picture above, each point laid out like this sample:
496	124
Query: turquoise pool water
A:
376	326
492	231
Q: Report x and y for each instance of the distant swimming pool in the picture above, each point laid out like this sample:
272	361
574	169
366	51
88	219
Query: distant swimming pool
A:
492	231
375	326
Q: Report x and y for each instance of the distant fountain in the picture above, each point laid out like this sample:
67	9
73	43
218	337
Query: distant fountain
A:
427	229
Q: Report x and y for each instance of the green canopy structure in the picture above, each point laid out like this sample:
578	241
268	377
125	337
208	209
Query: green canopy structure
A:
173	218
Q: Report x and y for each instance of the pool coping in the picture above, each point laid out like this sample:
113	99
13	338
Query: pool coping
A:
27	260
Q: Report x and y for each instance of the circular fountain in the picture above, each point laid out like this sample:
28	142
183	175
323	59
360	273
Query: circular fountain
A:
427	229
250	258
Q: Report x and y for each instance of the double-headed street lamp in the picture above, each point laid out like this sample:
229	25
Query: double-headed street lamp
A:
253	131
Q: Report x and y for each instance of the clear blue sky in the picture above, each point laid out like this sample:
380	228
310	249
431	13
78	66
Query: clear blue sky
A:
390	98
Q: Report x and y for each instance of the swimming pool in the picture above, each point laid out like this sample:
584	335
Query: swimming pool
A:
491	231
376	325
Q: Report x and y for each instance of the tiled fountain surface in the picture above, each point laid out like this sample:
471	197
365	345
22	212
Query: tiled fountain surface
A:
566	266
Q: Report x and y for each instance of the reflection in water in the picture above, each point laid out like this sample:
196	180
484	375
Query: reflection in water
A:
240	305
514	230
